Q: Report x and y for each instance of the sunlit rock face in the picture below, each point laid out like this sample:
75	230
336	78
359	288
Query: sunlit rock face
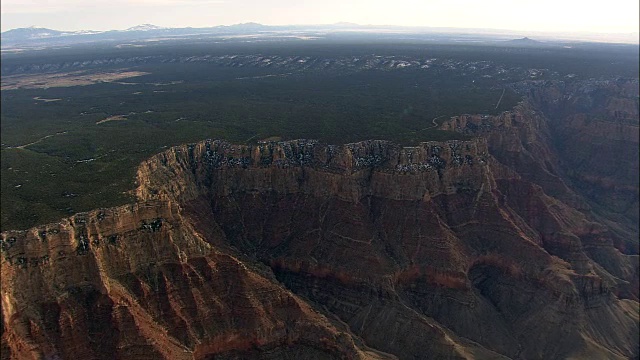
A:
485	248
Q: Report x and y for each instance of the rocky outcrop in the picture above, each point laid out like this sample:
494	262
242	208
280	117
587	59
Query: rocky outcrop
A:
478	249
593	127
347	172
139	282
536	146
596	135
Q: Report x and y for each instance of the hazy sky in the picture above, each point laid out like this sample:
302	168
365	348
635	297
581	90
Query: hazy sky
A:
534	15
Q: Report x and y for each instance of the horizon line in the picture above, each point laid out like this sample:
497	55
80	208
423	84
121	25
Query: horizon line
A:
349	23
579	35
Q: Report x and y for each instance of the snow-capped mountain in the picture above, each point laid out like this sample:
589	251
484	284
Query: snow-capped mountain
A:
39	37
30	33
146	27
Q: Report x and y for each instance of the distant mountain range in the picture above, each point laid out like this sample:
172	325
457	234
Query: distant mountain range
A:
145	27
31	33
43	37
38	36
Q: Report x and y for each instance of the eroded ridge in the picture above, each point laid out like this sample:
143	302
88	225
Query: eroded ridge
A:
306	250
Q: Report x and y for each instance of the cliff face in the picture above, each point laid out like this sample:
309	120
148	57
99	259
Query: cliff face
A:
594	129
140	282
372	230
579	142
462	249
583	134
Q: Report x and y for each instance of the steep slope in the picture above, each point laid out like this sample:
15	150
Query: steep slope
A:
595	131
138	282
409	228
590	166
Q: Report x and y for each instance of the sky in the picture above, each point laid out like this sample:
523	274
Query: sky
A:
568	16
